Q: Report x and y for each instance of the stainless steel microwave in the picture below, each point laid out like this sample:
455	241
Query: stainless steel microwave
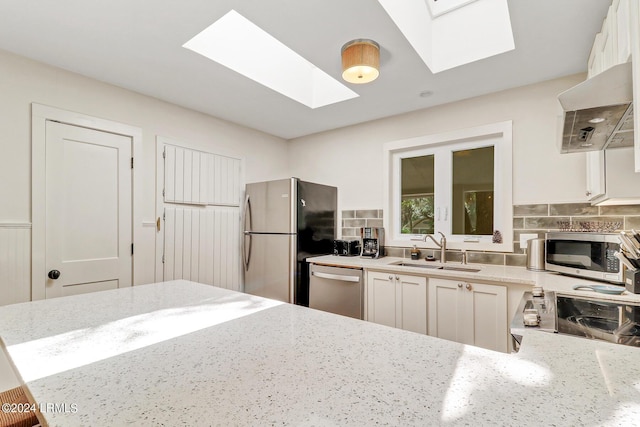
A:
586	255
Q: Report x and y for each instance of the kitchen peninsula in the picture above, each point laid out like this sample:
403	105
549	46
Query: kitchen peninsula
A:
181	353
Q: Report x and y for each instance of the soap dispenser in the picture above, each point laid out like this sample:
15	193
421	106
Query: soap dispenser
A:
415	253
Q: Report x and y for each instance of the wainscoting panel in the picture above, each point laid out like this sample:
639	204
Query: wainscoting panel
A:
15	263
202	245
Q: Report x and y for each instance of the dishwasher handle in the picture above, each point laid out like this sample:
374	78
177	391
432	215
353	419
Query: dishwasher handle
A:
335	277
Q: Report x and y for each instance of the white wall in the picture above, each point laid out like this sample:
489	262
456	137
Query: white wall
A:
23	81
351	157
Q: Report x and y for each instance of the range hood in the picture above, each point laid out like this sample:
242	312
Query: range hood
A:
598	113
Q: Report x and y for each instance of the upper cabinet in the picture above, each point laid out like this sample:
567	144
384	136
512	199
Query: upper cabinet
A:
634	33
611	179
612	43
610	83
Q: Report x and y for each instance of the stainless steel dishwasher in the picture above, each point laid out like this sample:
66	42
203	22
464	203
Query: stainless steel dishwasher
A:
337	290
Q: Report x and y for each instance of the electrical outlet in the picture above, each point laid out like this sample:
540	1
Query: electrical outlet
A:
524	238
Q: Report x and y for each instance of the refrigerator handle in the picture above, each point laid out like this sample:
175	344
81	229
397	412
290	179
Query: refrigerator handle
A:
246	257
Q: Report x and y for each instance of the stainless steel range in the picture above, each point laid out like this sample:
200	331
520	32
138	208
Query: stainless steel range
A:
602	319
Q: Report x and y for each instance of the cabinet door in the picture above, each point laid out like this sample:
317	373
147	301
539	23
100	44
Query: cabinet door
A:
594	65
595	174
609	40
486	316
634	32
381	298
411	312
621	10
445	316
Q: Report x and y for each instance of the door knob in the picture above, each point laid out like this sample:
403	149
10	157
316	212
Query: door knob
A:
54	274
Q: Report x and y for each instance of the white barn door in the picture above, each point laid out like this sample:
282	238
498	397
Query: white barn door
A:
201	215
88	210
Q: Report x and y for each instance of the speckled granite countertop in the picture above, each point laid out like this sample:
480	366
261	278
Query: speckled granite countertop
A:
180	353
489	273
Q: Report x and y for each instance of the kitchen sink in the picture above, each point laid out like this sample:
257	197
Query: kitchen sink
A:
413	264
469	269
436	266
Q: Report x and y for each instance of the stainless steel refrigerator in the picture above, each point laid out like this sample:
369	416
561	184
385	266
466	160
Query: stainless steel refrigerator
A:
285	222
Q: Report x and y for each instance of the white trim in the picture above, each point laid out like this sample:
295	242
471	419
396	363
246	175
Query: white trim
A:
393	151
21	225
39	116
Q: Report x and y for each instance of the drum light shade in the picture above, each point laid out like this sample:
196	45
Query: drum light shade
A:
360	61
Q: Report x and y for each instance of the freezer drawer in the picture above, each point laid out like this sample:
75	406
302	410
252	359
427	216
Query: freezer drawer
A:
336	290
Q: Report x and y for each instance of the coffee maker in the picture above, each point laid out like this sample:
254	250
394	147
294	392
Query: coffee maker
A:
372	242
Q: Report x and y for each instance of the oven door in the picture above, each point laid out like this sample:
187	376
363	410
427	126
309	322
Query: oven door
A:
611	321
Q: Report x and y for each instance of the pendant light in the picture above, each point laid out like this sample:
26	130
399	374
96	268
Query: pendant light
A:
360	61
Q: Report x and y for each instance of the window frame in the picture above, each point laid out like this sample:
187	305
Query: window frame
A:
497	134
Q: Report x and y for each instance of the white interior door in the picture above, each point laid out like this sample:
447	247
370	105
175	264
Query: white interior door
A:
88	210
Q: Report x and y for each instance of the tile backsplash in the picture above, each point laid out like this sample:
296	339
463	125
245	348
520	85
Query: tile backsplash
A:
531	219
352	220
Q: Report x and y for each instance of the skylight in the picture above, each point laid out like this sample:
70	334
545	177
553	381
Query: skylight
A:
462	32
440	7
242	46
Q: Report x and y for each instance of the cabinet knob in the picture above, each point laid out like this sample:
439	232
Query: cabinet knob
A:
53	274
468	286
588	193
390	277
397	277
459	285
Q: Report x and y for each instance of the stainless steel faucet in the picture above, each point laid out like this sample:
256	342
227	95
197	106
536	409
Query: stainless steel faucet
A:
442	245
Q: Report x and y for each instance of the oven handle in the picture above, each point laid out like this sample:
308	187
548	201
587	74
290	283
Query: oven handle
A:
335	277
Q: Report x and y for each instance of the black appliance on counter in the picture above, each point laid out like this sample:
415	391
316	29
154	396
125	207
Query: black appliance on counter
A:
346	247
372	242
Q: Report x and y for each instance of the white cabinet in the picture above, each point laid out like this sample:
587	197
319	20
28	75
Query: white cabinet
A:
615	168
634	31
620	8
397	300
611	45
595	175
469	313
619	42
595	57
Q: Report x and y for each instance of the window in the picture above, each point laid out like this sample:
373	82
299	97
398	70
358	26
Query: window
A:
472	203
457	183
417	195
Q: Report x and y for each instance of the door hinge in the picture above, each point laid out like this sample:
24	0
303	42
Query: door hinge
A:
163	259
132	163
164	216
164	154
132	249
163	192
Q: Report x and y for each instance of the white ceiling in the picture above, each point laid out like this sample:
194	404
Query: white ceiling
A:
137	44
